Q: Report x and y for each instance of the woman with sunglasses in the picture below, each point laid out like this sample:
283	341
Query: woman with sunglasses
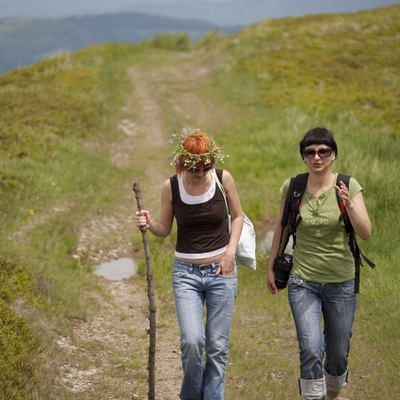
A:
321	283
205	270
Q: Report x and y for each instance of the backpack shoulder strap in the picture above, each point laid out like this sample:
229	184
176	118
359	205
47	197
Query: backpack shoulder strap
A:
355	250
294	194
297	189
343	213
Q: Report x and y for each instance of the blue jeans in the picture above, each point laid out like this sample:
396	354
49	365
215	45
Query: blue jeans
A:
195	285
335	303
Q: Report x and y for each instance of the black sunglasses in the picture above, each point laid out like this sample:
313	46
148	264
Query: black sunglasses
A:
322	153
195	170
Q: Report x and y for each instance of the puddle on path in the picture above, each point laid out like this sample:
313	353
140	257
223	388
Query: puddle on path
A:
116	270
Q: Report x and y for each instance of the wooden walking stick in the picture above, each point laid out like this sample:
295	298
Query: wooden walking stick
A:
150	295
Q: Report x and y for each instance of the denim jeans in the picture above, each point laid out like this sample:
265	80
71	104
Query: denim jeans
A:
195	285
335	303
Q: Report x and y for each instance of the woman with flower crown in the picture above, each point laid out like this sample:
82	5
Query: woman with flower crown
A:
205	267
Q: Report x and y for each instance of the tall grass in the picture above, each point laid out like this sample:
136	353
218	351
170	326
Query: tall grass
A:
54	173
278	79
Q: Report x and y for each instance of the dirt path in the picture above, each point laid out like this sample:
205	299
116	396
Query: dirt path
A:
117	333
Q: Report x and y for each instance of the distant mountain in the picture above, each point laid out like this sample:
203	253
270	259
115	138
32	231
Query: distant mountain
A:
26	41
246	12
221	12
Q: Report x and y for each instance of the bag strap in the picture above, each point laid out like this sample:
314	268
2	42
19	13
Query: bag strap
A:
294	195
284	221
290	213
355	250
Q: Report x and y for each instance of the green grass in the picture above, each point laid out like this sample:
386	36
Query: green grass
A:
277	79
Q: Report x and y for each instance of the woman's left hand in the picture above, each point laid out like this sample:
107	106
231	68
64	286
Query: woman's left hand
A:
226	266
343	193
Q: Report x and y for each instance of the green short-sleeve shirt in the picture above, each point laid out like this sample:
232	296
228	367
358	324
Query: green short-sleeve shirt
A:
322	253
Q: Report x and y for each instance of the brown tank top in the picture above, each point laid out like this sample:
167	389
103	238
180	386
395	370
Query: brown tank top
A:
202	227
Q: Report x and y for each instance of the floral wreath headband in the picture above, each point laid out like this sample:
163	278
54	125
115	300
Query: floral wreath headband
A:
192	160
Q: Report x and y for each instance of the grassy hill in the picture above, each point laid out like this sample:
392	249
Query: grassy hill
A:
65	164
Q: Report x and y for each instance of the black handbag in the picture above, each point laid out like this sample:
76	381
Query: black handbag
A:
283	262
282	266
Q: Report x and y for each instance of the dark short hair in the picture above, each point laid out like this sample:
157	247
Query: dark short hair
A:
319	136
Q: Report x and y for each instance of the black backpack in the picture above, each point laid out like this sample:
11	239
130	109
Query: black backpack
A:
291	214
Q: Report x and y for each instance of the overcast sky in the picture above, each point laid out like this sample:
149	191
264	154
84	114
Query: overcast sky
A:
224	12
